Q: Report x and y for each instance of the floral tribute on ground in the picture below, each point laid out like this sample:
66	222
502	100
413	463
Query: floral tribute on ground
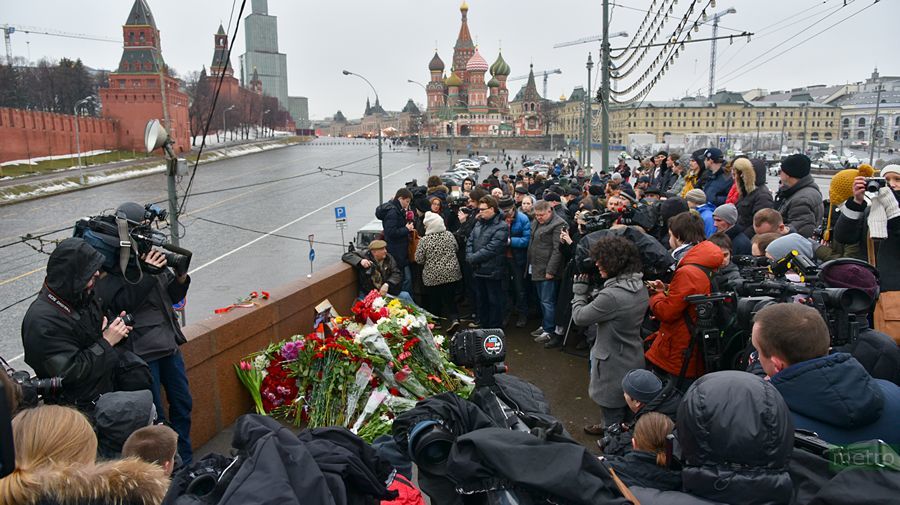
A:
357	372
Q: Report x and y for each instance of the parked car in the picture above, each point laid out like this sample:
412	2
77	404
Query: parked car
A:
483	159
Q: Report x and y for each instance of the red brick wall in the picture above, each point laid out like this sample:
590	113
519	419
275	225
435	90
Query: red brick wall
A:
133	106
25	133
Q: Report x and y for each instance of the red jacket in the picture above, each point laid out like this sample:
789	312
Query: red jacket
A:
673	337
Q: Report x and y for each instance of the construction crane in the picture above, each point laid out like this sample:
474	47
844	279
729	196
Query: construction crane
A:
11	29
544	73
712	54
588	40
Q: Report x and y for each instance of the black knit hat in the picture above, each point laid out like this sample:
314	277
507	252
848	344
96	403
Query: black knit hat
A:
796	166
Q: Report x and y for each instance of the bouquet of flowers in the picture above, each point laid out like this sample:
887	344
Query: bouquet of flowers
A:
358	371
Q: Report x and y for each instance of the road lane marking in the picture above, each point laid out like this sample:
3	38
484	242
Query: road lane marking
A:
26	274
304	216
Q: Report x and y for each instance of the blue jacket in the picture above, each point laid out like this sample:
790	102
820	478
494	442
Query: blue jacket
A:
520	236
835	397
706	212
717	187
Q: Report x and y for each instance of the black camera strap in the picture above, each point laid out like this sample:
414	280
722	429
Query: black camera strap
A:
126	245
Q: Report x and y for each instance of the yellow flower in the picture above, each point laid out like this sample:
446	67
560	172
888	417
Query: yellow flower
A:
395	303
338	320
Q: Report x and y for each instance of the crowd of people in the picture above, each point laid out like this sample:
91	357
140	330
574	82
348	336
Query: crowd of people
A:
625	266
528	249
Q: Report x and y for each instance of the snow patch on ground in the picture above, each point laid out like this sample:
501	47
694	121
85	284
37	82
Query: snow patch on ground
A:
34	161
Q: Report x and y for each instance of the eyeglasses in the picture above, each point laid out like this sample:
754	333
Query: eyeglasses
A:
482	209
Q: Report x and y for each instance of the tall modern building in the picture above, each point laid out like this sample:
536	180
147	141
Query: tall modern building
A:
262	56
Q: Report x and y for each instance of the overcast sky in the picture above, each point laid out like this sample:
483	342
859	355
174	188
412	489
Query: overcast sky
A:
393	40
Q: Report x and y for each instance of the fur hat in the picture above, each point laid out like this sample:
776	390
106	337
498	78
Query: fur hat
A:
434	223
696	195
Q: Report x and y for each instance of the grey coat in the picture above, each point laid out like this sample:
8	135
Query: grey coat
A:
544	255
619	310
801	206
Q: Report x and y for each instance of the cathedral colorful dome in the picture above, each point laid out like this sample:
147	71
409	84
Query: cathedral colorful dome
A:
437	64
464	7
453	80
476	63
500	67
493	83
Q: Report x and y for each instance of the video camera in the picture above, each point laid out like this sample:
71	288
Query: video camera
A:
753	268
123	241
33	389
416	190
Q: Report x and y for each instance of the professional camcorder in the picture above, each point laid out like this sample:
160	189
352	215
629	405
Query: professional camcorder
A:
124	237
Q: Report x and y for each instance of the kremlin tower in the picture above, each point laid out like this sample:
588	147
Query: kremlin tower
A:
462	103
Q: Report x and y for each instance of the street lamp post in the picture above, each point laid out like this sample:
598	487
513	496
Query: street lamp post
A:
262	121
378	125
78	104
429	129
224	129
759	116
875	125
589	126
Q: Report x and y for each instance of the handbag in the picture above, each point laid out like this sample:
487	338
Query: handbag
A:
412	246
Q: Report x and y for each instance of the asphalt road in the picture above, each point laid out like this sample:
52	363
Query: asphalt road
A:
228	262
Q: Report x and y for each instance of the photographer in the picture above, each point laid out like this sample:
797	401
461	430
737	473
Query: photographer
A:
879	221
157	333
618	309
831	395
696	258
65	334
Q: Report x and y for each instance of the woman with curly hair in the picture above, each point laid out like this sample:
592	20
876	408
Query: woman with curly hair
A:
618	309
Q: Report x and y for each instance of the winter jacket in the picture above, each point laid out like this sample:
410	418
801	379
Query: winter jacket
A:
726	277
157	331
520	237
544	256
117	416
706	213
740	243
120	482
61	331
801	206
639	468
754	195
486	246
852	227
389	272
437	253
672	339
678	182
717	187
618	310
735	434
837	399
393	221
876	352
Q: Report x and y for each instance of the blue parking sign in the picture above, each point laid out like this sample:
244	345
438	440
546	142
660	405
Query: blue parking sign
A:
340	213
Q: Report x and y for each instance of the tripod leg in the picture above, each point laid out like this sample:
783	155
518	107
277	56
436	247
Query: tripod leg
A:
566	335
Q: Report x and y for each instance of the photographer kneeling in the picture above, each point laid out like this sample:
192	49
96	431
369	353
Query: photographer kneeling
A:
65	334
157	332
619	310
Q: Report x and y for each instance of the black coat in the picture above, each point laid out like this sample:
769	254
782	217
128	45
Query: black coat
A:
61	331
801	206
755	195
877	353
393	222
639	468
390	272
486	247
852	228
157	332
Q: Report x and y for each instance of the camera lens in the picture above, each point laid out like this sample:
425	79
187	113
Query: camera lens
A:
178	262
429	446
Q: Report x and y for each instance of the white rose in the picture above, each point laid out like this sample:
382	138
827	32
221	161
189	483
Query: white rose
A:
439	340
378	303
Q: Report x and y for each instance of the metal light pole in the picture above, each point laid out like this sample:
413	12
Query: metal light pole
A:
590	132
783	124
805	116
262	119
604	89
429	129
378	125
759	115
224	129
875	125
78	104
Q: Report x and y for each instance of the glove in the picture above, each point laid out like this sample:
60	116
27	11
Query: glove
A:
884	208
581	288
